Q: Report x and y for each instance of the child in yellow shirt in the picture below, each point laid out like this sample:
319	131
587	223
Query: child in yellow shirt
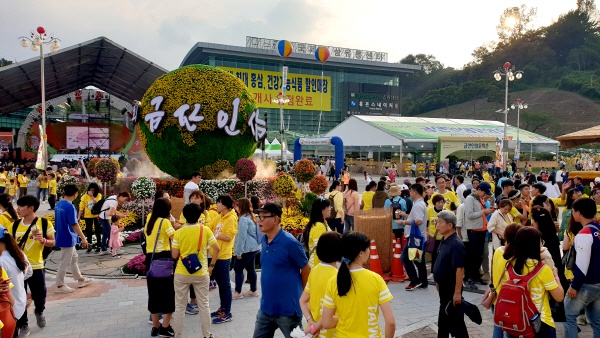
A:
52	190
13	188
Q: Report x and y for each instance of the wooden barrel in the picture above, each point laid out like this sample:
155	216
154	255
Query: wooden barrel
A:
377	225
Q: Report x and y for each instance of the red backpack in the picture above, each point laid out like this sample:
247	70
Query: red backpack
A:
515	312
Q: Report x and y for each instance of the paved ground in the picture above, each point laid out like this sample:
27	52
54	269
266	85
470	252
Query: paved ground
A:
116	307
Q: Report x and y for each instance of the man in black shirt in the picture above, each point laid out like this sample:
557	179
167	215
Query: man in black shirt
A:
448	274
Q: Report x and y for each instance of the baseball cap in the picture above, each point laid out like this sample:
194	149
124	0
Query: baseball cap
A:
272	208
485	187
404	187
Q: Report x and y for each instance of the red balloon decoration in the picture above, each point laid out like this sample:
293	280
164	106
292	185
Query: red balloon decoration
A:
41	30
507	65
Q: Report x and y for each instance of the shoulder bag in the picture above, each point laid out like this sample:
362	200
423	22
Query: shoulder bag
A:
162	267
192	262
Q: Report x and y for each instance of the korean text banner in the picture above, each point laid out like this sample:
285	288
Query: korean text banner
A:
303	91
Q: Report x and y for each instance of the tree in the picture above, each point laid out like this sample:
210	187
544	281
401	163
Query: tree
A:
428	63
514	23
572	30
483	52
534	121
4	62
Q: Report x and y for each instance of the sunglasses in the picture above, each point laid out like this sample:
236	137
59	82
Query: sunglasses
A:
262	218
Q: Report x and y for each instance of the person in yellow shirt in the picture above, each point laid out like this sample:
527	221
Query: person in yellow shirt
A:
8	214
366	202
92	225
161	292
29	233
451	201
356	294
316	227
52	190
432	230
7	321
42	189
311	301
23	182
192	239
225	234
3	180
13	188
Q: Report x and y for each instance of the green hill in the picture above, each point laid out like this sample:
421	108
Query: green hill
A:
565	112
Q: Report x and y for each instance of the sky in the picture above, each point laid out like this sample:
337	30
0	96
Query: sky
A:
165	31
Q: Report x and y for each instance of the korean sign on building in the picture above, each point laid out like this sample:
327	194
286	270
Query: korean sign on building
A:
305	92
371	99
308	48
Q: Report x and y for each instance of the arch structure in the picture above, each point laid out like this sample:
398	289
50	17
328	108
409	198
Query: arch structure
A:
36	112
322	141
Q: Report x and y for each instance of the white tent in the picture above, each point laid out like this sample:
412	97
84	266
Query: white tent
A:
273	150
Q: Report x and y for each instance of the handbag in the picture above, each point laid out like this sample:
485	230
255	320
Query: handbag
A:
416	243
192	262
430	244
568	259
161	267
491	293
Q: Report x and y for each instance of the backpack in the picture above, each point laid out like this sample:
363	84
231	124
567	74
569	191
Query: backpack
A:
332	205
97	208
47	250
409	203
515	312
398	203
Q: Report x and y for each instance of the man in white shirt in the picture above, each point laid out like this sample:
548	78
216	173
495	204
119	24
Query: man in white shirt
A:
109	208
459	180
191	186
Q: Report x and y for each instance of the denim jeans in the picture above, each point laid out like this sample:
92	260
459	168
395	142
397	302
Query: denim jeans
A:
37	286
498	333
409	267
336	225
42	192
221	274
247	262
266	325
349	223
105	224
588	298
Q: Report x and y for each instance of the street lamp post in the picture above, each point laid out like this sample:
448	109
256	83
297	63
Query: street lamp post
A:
281	99
37	43
509	74
518	106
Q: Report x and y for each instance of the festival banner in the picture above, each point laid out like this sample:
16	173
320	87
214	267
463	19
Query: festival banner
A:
304	91
499	152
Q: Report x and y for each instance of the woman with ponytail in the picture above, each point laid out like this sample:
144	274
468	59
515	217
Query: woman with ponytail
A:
14	262
356	295
8	215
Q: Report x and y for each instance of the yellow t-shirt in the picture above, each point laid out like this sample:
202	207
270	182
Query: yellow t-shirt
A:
12	189
515	214
432	217
186	240
315	287
449	197
23	180
43	183
3	180
358	310
6	219
33	249
52	187
166	231
87	203
10	286
227	226
598	211
313	238
367	199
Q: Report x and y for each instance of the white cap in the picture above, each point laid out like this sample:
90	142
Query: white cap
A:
405	187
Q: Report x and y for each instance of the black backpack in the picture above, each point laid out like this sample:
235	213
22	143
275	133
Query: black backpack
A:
396	205
47	250
97	208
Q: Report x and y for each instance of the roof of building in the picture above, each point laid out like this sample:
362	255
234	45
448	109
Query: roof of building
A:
201	51
394	130
580	137
100	62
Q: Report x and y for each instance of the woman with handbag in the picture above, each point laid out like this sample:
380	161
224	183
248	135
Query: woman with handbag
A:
500	219
159	278
245	248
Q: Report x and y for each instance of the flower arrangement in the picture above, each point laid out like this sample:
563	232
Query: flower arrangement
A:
134	237
137	264
91	166
133	165
106	170
292	221
140	208
130	220
318	184
196	142
214	189
116	162
245	169
143	188
64	180
216	170
304	170
284	185
174	187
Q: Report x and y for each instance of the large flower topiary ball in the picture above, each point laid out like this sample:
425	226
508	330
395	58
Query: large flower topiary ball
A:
188	120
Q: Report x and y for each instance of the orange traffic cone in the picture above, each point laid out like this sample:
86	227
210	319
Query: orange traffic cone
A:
393	242
398	273
374	263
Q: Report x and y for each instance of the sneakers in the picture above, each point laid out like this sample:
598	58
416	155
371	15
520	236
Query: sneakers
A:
89	250
116	256
251	293
581	320
216	313
212	285
105	252
469	285
154	331
24	331
84	282
223	318
191	309
412	286
40	319
64	289
97	250
166	331
236	295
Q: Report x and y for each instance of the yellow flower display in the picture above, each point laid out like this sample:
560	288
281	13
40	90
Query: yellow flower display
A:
284	185
188	120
